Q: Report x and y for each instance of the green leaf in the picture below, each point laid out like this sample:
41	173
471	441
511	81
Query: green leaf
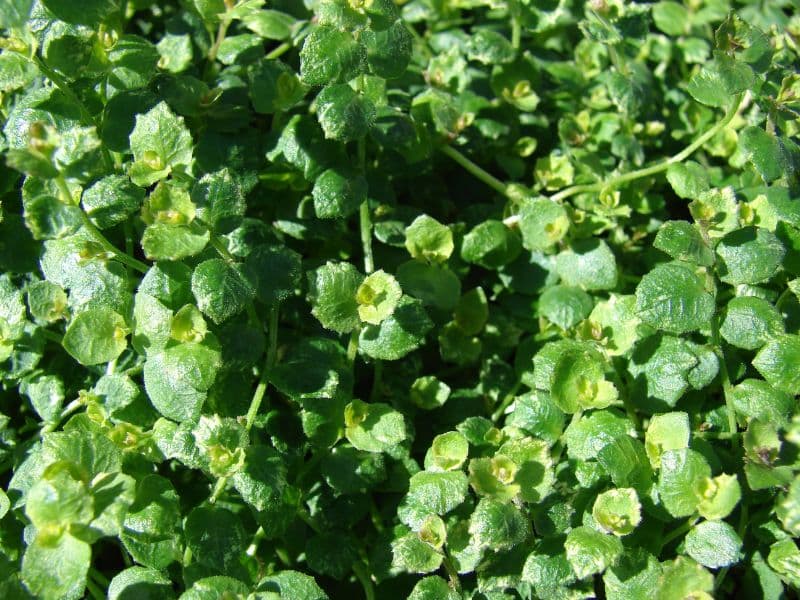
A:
91	12
777	361
291	585
411	554
270	24
783	557
402	332
759	401
668	431
14	13
617	511
427	239
331	56
714	544
135	581
162	241
586	437
112	200
57	569
682	473
590	551
490	245
448	451
433	588
672	298
213	588
338	193
274	272
428	392
215	536
344	114
683	577
498	525
435	492
682	241
150	532
220	289
750	322
96	336
472	311
178	378
588	264
565	306
766	152
720	80
332	293
161	143
373	427
671	17
274	87
434	285
388	52
749	255
59	499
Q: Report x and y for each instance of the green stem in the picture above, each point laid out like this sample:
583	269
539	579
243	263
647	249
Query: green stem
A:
50	335
352	346
95	591
263	381
506	402
253	547
99	577
219	487
615	182
516	32
365	217
221	249
678	531
279	51
363	577
487	178
222	30
98	237
452	572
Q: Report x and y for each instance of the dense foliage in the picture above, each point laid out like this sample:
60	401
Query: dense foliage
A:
437	299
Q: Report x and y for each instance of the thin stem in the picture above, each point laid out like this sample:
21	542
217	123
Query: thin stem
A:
516	32
253	547
506	402
452	572
50	335
222	30
219	487
263	381
279	51
221	249
615	182
98	237
487	178
364	215
95	591
363	577
678	531
99	577
352	346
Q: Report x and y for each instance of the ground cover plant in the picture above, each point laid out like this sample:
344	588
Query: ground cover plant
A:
430	299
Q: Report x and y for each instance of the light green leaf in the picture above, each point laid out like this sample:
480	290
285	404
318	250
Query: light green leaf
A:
749	255
498	525
373	427
714	544
588	264
96	336
427	239
402	332
330	56
56	570
682	474
338	193
161	143
590	551
332	293
344	114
